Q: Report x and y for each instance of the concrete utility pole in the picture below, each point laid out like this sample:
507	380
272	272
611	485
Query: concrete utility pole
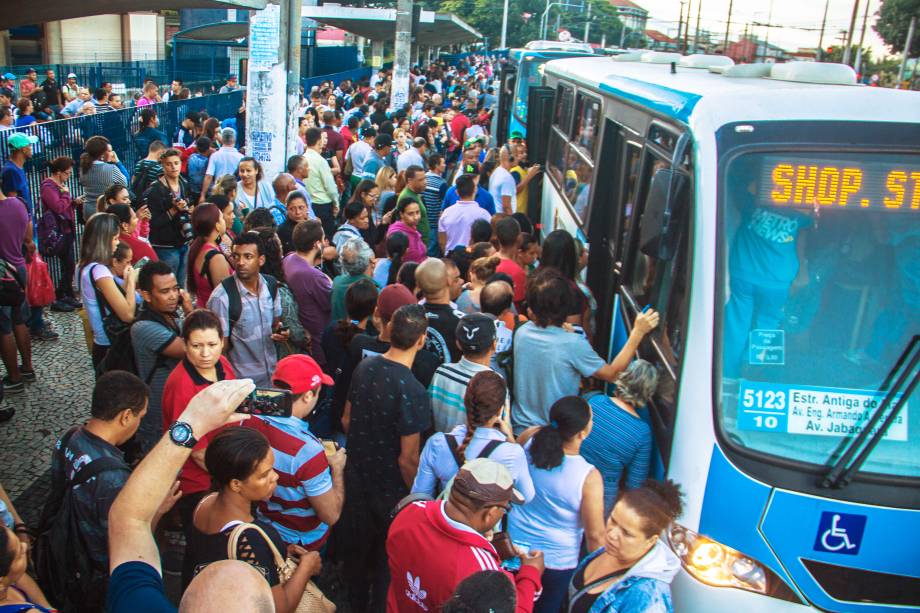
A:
907	44
696	33
273	82
820	54
402	54
862	36
728	28
849	40
505	26
587	21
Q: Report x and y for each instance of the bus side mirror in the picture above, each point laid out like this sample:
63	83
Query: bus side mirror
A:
660	221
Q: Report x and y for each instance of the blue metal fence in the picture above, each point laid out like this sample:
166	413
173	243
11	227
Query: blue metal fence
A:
132	74
65	138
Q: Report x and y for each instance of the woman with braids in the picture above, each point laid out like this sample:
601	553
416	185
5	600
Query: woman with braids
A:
569	502
633	569
485	434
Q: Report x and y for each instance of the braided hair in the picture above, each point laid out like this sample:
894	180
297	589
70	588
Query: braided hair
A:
484	399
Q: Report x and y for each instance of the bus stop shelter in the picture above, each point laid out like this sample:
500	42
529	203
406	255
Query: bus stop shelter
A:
15	14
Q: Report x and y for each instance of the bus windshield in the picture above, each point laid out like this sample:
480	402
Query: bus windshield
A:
529	76
821	286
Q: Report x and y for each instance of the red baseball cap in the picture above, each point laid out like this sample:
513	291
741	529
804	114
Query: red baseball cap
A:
301	374
392	297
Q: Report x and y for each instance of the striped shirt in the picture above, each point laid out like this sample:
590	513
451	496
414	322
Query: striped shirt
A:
303	471
433	197
446	393
619	441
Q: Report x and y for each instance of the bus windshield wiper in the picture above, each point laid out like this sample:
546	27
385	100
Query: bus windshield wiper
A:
906	376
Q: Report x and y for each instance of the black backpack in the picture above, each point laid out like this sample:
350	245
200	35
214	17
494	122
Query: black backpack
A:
455	449
70	578
235	301
12	287
120	355
505	359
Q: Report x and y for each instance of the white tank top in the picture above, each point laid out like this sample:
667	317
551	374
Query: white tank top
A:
551	522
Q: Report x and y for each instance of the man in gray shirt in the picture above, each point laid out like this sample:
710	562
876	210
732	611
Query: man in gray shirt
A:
249	341
157	340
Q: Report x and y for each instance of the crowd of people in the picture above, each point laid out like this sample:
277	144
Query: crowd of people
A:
389	286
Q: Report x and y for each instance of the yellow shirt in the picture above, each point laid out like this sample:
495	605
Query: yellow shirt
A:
519	173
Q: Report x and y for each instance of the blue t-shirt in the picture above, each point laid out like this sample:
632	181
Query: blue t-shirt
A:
619	442
14	180
539	382
483	198
137	587
764	252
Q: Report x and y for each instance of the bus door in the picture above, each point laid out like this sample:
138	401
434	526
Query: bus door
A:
621	153
655	256
539	119
507	81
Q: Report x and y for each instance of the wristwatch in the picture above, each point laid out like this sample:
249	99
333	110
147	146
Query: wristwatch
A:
180	433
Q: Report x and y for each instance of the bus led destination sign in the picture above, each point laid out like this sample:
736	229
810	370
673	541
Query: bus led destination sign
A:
864	183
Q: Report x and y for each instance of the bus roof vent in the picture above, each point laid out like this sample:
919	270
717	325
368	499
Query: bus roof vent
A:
814	72
701	60
745	71
629	56
660	57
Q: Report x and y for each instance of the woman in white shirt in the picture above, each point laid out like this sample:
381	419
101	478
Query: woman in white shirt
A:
569	501
485	434
100	238
253	191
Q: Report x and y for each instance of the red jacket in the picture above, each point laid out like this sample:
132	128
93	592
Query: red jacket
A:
429	557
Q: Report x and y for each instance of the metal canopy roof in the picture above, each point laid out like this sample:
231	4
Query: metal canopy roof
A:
380	24
16	14
222	31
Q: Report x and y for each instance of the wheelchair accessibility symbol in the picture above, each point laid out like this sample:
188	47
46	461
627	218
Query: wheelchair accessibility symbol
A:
840	533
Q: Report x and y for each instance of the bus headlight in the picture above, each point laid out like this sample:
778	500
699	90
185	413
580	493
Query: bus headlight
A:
718	565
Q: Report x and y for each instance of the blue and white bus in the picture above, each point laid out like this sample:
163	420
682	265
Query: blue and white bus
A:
523	71
771	214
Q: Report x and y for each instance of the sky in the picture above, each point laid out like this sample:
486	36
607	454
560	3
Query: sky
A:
792	15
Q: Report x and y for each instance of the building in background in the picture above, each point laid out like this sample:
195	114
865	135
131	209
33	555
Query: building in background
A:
634	19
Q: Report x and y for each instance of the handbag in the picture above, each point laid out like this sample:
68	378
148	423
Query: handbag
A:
52	229
39	286
313	600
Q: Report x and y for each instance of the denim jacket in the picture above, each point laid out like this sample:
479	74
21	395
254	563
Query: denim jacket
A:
644	589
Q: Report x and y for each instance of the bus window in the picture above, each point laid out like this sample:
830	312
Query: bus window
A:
629	186
555	157
577	184
587	114
662	285
564	100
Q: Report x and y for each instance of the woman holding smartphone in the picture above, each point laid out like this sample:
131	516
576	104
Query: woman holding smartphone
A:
127	224
101	296
203	365
56	198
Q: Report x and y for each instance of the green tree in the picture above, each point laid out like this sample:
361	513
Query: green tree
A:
893	21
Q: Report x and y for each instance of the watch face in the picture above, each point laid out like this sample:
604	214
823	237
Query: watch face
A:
180	433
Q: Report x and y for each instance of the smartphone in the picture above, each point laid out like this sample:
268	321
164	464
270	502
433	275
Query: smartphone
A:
513	565
142	262
268	402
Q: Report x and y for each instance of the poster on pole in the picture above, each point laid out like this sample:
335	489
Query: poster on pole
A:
264	33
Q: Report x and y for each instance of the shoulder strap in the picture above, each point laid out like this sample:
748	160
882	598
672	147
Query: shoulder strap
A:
454	448
206	264
234	539
95	467
272	284
489	448
234	300
590	586
100	299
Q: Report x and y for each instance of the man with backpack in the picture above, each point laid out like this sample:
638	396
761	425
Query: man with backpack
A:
157	340
87	473
476	339
15	235
249	309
